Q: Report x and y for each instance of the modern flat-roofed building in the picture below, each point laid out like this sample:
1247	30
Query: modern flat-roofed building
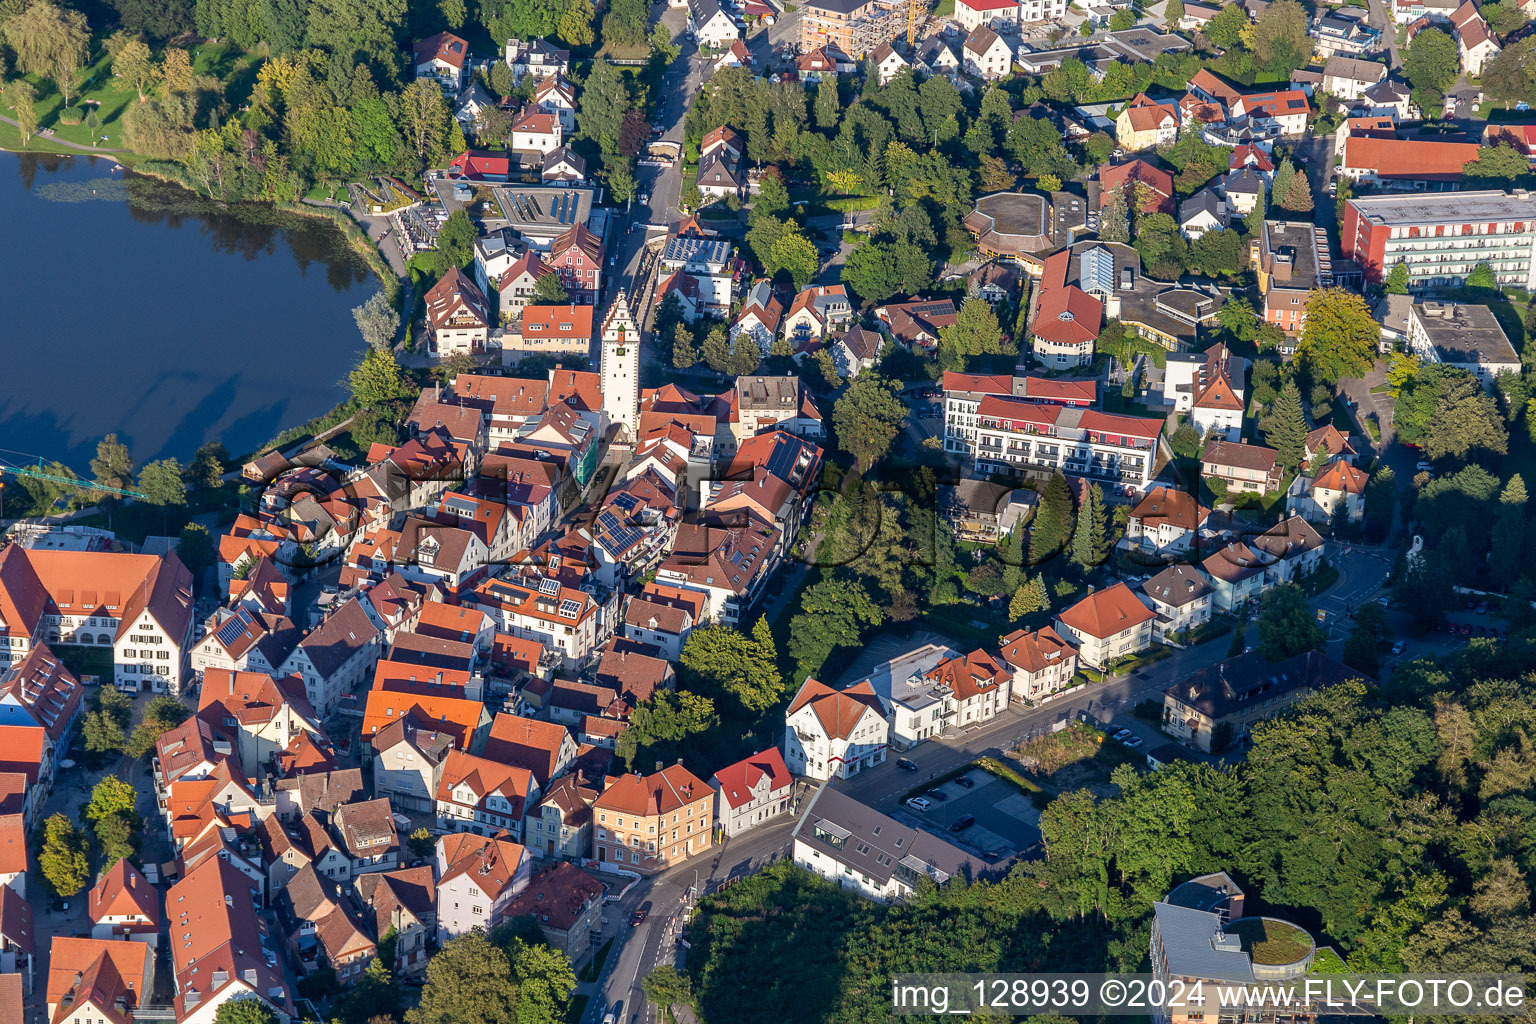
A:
1010	224
1014	435
1442	241
855	27
1291	258
1466	337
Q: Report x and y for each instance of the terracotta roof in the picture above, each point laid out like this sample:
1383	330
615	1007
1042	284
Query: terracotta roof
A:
12	1010
1240	456
572	798
635	675
557	897
490	862
123	892
1065	314
528	743
514	397
1171	506
736	782
1234	563
1160	181
1106	612
452	716
99	970
120	585
445	46
23	598
16	922
13	844
1411	159
1341	476
650	795
838	711
557	322
1035	652
483	777
1217	393
44	691
251	698
1328	440
455	291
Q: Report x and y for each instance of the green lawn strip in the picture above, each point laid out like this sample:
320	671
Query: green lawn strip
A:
993	766
595	967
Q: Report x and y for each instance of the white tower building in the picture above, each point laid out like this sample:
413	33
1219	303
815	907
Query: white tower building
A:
621	368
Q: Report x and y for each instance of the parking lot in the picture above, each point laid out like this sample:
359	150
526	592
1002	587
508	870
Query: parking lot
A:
1006	819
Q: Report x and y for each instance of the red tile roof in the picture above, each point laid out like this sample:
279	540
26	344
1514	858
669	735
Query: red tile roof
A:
737	781
839	711
1410	159
1106	612
650	795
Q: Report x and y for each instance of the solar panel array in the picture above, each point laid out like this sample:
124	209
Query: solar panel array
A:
570	609
549	587
624	502
624	536
234	627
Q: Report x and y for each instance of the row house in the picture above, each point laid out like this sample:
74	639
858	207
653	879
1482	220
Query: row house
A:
576	255
1242	467
409	751
222	947
403	903
648	823
561	618
323	928
94	980
264	715
476	794
760	405
559	825
544	749
41	703
240	639
123	905
751	792
477	879
336	657
834	733
567	903
663	617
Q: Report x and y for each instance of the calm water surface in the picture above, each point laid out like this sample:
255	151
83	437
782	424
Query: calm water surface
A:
129	305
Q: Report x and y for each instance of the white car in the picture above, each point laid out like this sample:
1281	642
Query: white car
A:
1133	742
1424	466
1122	734
919	803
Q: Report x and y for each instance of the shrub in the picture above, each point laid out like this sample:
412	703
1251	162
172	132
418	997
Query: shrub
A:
71	116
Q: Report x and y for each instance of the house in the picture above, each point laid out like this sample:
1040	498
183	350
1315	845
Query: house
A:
917	324
986	55
559	824
1474	39
759	316
1204	211
1216	707
814	65
469	106
974	688
710	25
857	350
336	657
1107	625
889	63
1067	318
831	732
1387	97
567	903
402	902
858	848
1236	573
1128	176
1415	164
1286	110
577	256
1291	259
995	14
563	165
263	714
368	835
480	165
544	749
536	57
123	905
995	282
536	132
720	177
41	703
1243	189
1348	78
1465	337
554	95
727	563
1144	123
443	57
1043	664
477	879
564	330
725	141
1337	489
1182	598
408	754
648	823
735	55
1209	387
458	317
937	56
564	620
475	794
223	949
1242	467
1166	521
751	791
663	617
98	980
323	930
517	284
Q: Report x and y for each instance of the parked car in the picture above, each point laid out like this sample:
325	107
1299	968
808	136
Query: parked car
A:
641	913
1133	742
963	822
964	782
1122	734
1424	466
918	803
937	794
1466	629
1397	648
906	764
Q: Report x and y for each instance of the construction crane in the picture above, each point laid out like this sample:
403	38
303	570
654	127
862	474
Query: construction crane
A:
85	485
912	24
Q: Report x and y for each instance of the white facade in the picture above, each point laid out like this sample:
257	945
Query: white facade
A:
621	367
810	750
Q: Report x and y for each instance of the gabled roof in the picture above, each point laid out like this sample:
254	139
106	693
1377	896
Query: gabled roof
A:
124	892
1238	455
1034	652
736	782
484	778
647	796
527	743
838	711
1341	476
491	863
1104	613
1170	506
445	46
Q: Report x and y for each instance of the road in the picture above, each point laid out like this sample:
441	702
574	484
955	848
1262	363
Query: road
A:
1380	18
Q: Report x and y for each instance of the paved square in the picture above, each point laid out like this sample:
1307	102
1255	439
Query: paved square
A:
1006	820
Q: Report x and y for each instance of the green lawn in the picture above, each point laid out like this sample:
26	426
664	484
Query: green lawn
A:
85	661
96	86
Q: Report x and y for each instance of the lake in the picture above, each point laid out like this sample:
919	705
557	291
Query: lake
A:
132	306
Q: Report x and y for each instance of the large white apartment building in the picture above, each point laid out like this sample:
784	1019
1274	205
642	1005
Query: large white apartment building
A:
1442	240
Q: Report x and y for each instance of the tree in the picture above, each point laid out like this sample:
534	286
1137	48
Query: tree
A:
134	64
1360	650
1340	337
1511	76
424	119
51	41
1090	544
975	332
549	291
1114	219
1298	195
828	107
1226	29
469	981
716	350
114	818
795	253
668	987
683	353
867	418
1503	162
1431	61
625	24
1396	281
827	366
1122	19
375	996
112	466
160	714
64	858
1280	40
195	548
605	99
622	183
741	665
1465	417
1286	427
21	98
456	240
377	379
662	46
1031	597
1482	276
1173	13
1287	624
1508	536
1053	521
663	723
161	483
995	175
833	614
377	321
208	465
106	726
176	71
247	1010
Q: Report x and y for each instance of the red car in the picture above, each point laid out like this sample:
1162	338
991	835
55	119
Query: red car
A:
1465	629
